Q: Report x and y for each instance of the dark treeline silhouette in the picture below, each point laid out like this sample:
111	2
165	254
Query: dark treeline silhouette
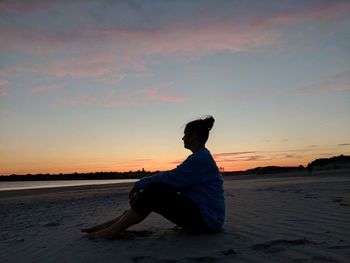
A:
77	176
274	169
336	162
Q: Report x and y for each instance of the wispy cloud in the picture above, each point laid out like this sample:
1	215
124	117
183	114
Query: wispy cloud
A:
176	162
141	160
22	6
3	82
48	87
248	156
3	93
95	65
82	100
108	41
262	156
304	12
337	83
218	155
127	49
158	94
221	28
251	158
117	98
298	156
134	162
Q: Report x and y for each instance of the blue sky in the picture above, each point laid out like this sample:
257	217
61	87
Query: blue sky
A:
109	85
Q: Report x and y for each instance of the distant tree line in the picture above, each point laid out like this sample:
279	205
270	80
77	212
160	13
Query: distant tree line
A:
274	169
78	176
336	162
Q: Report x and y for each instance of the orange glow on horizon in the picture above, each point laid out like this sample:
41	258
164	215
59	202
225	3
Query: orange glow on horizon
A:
92	168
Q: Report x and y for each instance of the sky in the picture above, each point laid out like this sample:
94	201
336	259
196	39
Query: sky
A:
101	85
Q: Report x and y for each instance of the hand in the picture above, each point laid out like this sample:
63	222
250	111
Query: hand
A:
133	194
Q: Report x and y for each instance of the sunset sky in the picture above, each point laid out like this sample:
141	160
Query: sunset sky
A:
98	85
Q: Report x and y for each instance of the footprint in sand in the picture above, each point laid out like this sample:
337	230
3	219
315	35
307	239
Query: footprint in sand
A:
228	252
50	224
341	201
149	259
337	200
280	245
324	259
140	233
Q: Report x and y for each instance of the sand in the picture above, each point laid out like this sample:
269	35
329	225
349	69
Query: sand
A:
270	218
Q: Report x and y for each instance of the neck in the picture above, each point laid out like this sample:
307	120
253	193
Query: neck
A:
196	148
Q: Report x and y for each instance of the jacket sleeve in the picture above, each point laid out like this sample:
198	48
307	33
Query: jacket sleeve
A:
186	175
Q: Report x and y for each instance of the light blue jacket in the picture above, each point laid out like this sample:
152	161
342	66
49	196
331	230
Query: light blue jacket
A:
199	179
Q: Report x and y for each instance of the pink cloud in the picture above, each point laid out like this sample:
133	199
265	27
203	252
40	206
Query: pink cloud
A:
96	100
21	6
84	100
45	88
327	11
154	95
135	44
118	98
93	66
157	94
105	53
127	49
229	34
195	40
3	82
100	66
3	93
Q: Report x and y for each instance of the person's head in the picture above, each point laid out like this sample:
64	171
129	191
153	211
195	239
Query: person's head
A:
197	133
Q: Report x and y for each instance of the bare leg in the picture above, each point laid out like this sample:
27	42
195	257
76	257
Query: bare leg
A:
102	226
128	219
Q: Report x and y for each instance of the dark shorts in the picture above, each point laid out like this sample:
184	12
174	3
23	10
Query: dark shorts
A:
172	205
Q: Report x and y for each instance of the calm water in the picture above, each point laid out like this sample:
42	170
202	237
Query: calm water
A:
20	185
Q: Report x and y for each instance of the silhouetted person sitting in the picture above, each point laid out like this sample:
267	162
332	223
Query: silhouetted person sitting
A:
191	195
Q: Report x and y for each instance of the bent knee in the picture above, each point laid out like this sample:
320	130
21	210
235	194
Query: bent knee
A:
158	188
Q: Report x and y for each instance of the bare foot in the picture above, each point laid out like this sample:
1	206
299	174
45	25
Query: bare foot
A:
91	229
101	226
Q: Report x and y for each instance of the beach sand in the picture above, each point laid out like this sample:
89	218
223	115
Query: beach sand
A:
269	218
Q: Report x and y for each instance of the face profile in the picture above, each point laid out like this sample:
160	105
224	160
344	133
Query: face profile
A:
189	139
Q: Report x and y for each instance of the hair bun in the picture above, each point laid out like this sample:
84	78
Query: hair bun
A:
208	122
201	127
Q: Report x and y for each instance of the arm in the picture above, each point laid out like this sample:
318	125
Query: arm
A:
185	175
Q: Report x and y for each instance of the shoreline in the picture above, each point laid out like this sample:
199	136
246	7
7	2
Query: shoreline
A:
126	185
64	189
